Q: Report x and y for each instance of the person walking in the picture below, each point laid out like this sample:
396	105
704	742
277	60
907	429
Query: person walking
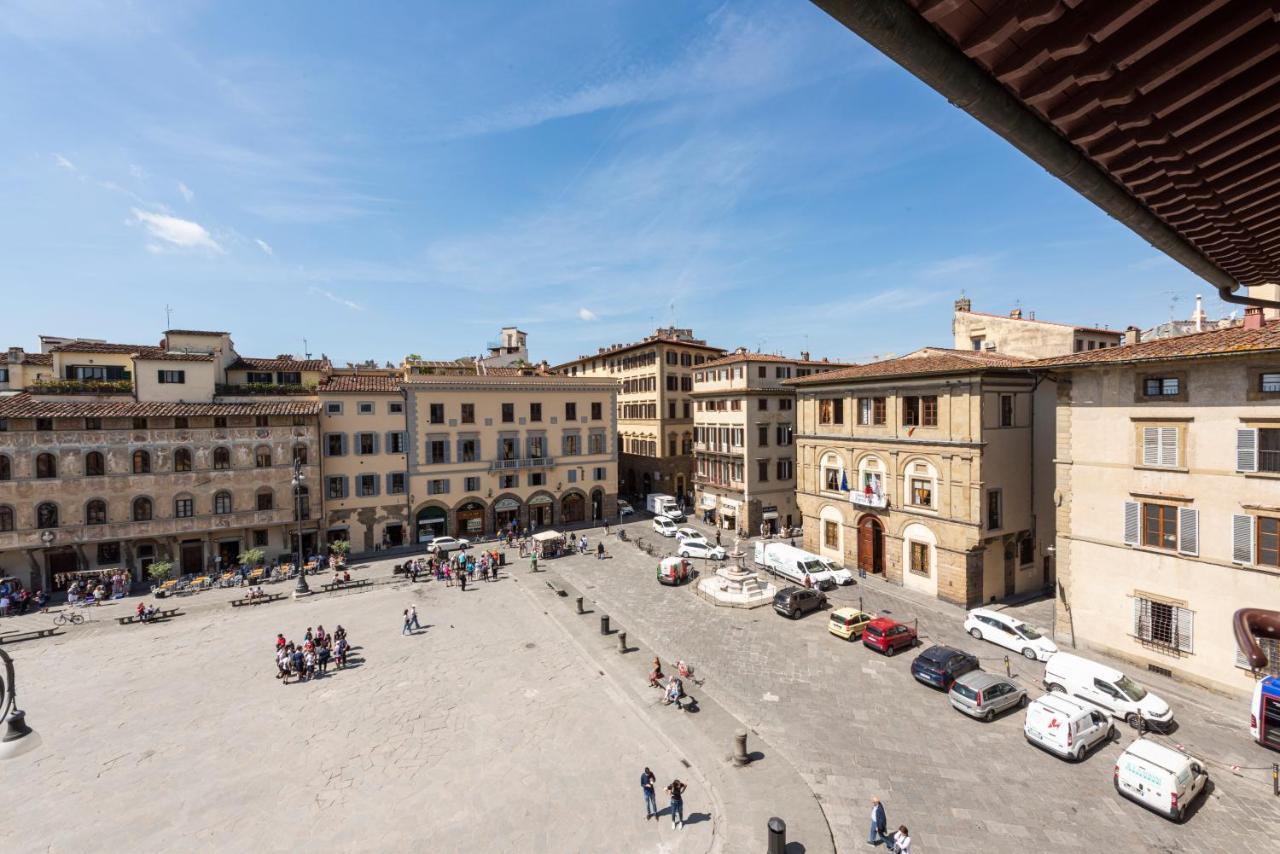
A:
676	792
405	630
717	536
650	799
902	840
533	562
876	834
413	617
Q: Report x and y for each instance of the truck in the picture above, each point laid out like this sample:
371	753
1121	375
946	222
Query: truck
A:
661	504
793	564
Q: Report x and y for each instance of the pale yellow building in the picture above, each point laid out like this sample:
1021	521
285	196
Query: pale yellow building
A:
654	409
489	452
744	440
1168	498
1024	336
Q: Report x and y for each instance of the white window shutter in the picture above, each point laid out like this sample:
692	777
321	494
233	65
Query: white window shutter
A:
1132	512
1185	629
1188	531
1169	446
1246	450
1241	539
1151	446
1142	618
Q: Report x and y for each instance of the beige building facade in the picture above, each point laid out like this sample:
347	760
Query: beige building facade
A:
655	411
1024	337
1168	498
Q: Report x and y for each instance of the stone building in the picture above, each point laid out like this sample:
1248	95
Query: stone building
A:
490	451
1168	498
743	440
1024	337
655	407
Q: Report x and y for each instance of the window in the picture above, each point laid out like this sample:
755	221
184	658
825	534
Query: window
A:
436	413
910	411
831	533
108	553
762	435
141	462
1162	624
364	408
142	510
260	538
536	447
1160	446
537	478
468	450
333	408
181	422
1269	383
595	443
366	444
571	411
468	413
96	424
222	503
762	404
219	422
44	425
535	411
1159	526
471	484
831	410
94	465
300	454
976	343
993	510
6	518
1161	387
437	451
335	487
46	466
257	377
1268	541
509	481
395	443
266	499
171	377
785	471
335	445
920	411
184	508
6	468
367	484
95	512
785	404
395	483
784	434
832	473
438	487
597	409
141	424
221	458
762	470
1026	550
571	445
508	413
289	377
1006	410
920	559
598	472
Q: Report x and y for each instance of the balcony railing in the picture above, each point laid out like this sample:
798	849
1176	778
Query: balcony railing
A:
252	389
82	387
869	499
521	463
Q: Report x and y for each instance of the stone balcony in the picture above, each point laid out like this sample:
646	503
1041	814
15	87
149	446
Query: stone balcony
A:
521	463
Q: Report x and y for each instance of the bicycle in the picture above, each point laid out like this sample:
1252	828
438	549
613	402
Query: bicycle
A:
65	617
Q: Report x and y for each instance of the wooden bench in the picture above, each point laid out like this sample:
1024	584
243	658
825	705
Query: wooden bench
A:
31	634
166	614
344	585
256	600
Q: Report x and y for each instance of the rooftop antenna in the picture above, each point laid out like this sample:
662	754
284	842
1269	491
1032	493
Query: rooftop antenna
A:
168	316
305	352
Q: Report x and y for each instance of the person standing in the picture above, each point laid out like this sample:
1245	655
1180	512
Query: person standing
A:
877	833
600	550
405	629
533	562
650	798
462	579
902	840
676	792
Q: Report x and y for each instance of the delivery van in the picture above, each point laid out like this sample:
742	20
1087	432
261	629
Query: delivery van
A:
661	504
1066	727
1108	689
1160	778
793	564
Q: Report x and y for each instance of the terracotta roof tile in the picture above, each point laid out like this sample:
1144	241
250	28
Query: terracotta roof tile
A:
162	356
735	358
245	363
930	360
361	383
195	332
37	359
530	380
26	406
1216	342
80	346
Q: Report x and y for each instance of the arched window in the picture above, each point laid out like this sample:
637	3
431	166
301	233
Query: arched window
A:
6	518
94	465
869	490
832	471
142	510
266	498
182	460
300	454
47	515
46	466
221	458
262	457
6	468
95	512
922	484
141	462
222	503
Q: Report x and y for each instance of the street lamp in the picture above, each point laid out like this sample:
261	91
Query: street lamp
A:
298	480
18	738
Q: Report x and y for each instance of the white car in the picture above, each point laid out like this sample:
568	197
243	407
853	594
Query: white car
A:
686	533
1010	633
664	526
700	548
625	509
839	574
444	545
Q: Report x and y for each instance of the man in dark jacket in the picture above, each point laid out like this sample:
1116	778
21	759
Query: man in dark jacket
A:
878	824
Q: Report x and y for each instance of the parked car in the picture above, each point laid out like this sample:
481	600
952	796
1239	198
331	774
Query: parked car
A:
1010	633
985	695
664	526
1160	778
689	533
444	545
848	623
940	665
838	573
1108	689
1065	726
673	571
700	548
625	508
794	601
888	636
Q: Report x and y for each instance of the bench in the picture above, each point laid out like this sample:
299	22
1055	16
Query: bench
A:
31	634
256	600
167	614
344	585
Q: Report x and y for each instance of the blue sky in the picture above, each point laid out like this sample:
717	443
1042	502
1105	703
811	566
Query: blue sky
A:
387	178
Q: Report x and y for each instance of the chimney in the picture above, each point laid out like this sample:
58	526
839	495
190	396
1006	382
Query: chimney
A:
15	354
1253	317
1198	316
804	355
1267	291
963	304
1131	335
1016	314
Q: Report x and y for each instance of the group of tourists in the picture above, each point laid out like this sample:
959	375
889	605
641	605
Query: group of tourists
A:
16	600
309	658
675	798
89	590
458	568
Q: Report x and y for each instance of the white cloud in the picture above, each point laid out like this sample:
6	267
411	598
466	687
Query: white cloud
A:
587	314
64	162
264	246
332	297
186	191
182	233
958	265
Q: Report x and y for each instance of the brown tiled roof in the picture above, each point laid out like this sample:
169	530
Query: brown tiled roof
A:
734	358
26	406
162	356
529	380
1094	329
361	383
608	352
247	364
925	362
37	359
1231	341
195	332
79	346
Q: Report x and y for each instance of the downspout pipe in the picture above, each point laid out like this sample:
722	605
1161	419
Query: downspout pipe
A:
899	32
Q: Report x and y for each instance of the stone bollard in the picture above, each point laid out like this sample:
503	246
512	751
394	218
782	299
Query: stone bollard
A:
777	836
740	756
580	605
622	641
604	624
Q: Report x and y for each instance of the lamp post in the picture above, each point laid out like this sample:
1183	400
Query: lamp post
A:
299	479
18	738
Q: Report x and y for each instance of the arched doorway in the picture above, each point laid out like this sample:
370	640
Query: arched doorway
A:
597	505
573	508
506	514
870	544
469	520
541	511
430	522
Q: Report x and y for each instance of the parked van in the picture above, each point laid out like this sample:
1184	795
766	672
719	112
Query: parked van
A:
1066	727
793	564
1108	689
661	504
1160	778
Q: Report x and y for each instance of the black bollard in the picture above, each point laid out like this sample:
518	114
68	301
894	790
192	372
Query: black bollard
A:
777	836
579	604
622	641
604	624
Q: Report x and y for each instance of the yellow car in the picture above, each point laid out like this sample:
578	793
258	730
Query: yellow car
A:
848	623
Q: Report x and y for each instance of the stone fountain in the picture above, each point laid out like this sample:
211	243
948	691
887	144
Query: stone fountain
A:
734	585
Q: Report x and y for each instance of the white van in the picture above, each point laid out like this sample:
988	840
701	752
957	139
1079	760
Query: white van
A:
1066	727
1160	778
1108	689
793	564
660	504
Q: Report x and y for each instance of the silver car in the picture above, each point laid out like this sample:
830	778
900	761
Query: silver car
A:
984	695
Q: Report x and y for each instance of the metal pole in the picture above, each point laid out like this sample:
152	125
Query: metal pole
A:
622	641
777	836
301	589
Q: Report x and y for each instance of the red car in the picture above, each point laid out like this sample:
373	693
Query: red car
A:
888	636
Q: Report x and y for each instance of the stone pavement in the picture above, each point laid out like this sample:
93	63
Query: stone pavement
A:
856	724
487	731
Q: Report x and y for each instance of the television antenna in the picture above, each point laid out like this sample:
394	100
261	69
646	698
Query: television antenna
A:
168	316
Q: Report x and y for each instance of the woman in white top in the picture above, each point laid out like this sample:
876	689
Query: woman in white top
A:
902	840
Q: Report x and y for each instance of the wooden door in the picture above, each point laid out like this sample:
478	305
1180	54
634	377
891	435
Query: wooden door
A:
870	545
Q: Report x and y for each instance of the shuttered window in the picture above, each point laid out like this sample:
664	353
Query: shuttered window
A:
1188	531
1271	649
1160	446
1162	526
1163	624
1241	539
